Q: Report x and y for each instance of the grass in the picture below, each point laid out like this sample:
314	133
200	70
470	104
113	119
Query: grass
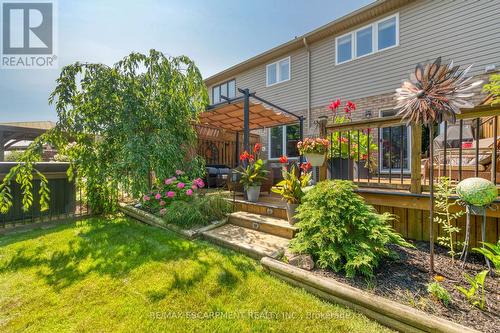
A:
115	275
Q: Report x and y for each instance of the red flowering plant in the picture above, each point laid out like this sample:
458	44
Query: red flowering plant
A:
175	188
291	188
252	171
352	143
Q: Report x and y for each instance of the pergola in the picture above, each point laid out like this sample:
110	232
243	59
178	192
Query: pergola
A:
12	133
248	112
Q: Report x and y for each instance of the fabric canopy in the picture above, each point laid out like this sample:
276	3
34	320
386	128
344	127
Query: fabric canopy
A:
229	116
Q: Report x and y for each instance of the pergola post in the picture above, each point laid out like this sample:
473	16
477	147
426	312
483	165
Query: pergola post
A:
246	120
237	150
301	132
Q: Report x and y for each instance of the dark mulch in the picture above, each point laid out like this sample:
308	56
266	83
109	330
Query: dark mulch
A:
405	280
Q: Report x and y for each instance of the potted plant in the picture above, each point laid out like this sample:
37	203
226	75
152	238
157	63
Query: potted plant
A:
314	149
291	188
253	173
347	147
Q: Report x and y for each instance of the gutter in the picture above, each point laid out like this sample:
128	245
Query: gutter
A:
304	39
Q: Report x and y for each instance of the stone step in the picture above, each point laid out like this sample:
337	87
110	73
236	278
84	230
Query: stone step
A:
267	224
253	243
274	208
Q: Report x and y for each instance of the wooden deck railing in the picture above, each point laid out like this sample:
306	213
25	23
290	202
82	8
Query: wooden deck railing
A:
403	163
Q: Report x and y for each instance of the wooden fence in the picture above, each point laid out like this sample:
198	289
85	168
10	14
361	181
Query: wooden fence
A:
65	200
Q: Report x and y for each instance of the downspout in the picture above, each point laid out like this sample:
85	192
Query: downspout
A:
308	82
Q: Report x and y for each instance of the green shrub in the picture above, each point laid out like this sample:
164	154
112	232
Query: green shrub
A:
439	292
200	211
341	231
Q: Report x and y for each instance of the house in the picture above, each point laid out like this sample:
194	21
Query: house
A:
363	57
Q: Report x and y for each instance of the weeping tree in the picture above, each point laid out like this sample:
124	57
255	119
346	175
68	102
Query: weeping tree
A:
118	126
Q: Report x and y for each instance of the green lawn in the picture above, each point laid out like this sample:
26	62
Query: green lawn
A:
114	274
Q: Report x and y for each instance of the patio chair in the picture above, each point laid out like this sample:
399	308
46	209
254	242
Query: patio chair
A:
468	162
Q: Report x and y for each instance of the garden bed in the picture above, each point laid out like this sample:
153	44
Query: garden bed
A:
148	218
405	280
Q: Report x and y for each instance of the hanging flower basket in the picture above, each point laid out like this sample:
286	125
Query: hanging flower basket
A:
316	160
314	149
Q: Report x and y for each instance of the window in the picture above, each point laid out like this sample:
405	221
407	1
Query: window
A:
387	33
227	89
344	49
283	141
373	38
278	71
364	41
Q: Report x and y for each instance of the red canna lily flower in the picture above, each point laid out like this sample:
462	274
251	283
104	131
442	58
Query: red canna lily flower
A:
306	166
251	158
257	148
283	159
244	156
334	105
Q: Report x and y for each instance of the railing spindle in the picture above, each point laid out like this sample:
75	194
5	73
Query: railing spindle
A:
445	147
359	150
495	142
460	138
478	125
390	155
368	151
349	171
402	128
340	156
331	155
379	153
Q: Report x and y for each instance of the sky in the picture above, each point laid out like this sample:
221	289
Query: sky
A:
216	34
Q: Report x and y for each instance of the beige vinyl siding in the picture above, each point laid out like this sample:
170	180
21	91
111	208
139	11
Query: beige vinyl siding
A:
291	94
464	31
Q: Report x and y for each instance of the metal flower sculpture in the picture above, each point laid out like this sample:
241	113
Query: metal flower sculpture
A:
435	93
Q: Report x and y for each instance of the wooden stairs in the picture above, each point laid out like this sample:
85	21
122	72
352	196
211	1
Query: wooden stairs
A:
255	229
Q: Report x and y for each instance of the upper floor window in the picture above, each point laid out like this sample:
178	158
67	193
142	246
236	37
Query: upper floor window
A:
375	37
278	71
227	89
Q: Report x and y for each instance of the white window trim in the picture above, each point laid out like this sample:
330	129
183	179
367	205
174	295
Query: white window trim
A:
283	143
278	71
219	85
375	48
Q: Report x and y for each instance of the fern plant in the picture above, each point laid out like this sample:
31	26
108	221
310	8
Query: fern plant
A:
439	292
445	217
341	231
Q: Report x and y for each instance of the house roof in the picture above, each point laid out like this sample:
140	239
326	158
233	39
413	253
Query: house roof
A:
366	13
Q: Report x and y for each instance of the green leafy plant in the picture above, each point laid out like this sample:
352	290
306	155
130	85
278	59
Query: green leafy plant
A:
476	294
445	217
493	87
341	231
491	252
253	171
202	210
291	188
439	292
120	125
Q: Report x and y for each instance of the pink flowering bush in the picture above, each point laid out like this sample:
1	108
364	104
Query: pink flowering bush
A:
176	188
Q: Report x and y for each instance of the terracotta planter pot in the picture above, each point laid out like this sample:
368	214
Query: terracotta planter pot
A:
253	193
291	210
316	160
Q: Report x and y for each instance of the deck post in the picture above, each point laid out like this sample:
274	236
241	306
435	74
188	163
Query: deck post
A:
323	172
416	159
301	132
237	150
246	120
